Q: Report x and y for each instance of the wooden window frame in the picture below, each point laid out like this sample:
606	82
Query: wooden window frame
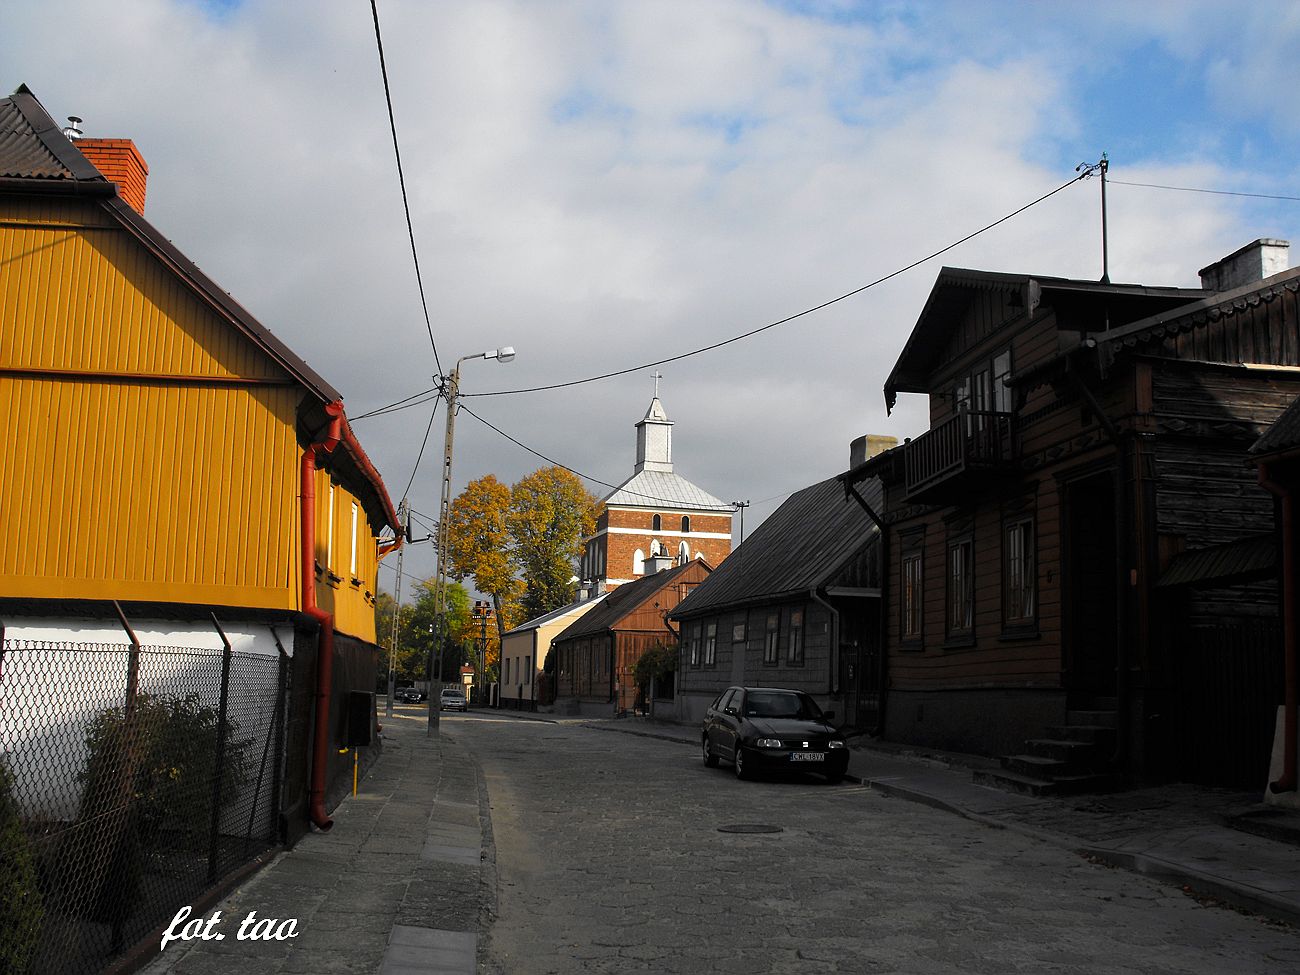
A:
711	644
959	586
772	640
1019	576
795	655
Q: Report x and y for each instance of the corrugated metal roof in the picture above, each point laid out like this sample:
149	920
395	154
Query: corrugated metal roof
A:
1246	558
32	146
801	546
1283	434
658	489
621	601
556	614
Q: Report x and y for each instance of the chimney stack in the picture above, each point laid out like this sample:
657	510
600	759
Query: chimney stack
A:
1254	262
866	447
120	162
658	563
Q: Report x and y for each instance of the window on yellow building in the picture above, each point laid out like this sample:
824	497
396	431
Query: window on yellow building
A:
354	540
329	532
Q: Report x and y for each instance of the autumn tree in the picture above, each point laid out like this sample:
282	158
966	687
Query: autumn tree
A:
550	513
416	634
479	546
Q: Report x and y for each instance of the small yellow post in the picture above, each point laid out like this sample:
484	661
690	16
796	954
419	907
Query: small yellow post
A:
356	757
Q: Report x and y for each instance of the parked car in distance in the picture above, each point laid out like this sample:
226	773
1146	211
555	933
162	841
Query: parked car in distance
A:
453	699
772	729
411	695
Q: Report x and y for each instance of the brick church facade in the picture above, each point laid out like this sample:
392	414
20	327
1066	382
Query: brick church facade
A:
655	512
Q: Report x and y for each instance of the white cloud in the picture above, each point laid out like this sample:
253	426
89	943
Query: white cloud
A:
605	184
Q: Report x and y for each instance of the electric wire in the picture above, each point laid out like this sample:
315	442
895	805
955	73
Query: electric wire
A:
424	443
789	318
1194	189
401	179
428	394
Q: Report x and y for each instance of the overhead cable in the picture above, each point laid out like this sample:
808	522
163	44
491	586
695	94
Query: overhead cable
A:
1194	189
401	179
788	318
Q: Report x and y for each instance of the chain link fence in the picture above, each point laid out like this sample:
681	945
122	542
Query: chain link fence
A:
131	780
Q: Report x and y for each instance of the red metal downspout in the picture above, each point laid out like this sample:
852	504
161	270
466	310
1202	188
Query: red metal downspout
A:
1287	783
325	646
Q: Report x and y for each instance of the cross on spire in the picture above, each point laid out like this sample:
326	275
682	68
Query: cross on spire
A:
658	376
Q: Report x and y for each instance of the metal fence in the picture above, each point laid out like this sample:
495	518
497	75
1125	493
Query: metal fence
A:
131	779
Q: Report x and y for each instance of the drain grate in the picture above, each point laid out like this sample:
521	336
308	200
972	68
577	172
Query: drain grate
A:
749	828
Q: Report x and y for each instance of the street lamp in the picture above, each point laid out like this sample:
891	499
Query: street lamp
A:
450	392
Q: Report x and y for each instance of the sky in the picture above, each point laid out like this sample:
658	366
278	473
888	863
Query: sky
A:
601	185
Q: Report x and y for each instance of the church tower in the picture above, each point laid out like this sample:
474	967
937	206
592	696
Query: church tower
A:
656	518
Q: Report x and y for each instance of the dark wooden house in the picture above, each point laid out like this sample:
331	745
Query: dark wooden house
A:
1086	439
796	605
595	657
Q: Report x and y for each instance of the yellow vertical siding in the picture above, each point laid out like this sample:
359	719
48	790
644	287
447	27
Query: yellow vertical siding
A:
351	602
131	491
149	447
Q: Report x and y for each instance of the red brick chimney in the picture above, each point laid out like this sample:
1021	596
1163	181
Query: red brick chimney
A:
120	161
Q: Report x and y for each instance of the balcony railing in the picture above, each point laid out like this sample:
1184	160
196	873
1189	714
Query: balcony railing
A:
969	441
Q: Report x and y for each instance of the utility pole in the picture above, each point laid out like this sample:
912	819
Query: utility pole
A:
404	526
741	506
1102	166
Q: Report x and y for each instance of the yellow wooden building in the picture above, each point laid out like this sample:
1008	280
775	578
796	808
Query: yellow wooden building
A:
153	430
163	452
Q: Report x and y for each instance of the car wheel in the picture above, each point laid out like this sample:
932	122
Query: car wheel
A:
741	771
710	759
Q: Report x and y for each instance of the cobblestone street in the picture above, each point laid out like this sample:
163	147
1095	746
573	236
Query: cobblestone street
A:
610	857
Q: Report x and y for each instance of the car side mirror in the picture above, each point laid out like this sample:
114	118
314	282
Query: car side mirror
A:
828	716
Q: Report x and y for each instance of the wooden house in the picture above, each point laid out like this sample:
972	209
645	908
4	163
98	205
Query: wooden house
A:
1075	520
166	453
525	650
796	605
595	657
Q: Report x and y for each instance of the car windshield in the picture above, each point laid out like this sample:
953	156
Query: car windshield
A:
781	704
452	694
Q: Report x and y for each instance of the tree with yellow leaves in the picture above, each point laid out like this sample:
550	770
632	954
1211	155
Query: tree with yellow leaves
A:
550	513
480	546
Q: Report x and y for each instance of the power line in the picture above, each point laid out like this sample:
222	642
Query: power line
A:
423	444
401	179
431	393
1194	189
788	318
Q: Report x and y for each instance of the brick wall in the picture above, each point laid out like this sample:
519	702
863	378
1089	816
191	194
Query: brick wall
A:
121	163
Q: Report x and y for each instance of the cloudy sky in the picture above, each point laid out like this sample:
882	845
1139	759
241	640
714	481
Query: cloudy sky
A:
606	184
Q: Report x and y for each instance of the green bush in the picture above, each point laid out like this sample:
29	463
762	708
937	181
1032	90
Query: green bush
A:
21	910
147	785
657	662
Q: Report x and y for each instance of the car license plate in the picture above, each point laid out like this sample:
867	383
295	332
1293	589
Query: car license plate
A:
807	756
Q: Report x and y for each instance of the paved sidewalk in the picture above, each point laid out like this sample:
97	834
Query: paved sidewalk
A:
399	886
1177	833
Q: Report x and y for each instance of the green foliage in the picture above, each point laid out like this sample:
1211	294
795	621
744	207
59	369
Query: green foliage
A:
147	782
457	638
550	513
21	910
657	662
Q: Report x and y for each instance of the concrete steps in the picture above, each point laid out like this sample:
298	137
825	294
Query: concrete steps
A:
1074	758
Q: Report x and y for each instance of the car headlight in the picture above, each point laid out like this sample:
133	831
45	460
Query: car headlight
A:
836	744
768	743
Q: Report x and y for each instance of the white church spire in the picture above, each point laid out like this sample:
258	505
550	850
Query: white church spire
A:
654	437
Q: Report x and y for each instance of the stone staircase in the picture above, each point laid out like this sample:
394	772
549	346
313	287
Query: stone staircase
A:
1073	758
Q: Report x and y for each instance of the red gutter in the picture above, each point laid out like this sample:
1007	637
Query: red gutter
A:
367	469
325	647
1287	782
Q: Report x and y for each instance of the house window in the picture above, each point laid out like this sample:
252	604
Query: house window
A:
1018	572
711	645
507	680
738	633
686	523
695	645
961	588
353	570
912	596
656	523
772	639
794	650
984	390
329	532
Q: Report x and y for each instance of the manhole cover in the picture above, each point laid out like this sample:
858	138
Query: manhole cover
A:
749	828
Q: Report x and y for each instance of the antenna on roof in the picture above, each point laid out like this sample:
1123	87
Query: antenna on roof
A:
73	131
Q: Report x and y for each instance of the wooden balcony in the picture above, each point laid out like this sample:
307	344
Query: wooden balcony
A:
949	459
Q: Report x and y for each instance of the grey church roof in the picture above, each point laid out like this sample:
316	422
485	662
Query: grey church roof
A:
660	489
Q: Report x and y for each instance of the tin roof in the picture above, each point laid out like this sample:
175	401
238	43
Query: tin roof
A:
803	545
623	600
1282	434
1254	556
658	489
555	614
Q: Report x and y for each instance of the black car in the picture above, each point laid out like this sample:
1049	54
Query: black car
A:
410	695
773	729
